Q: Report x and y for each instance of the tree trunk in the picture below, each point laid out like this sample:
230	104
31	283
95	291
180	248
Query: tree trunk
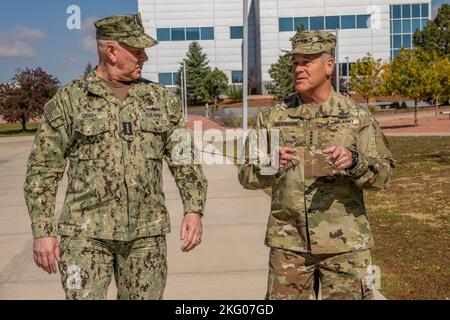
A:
415	113
23	121
437	105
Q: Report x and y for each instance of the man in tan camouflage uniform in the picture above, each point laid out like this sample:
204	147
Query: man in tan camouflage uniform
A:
330	150
114	128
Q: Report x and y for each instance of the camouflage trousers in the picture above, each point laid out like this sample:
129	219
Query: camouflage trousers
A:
87	265
297	276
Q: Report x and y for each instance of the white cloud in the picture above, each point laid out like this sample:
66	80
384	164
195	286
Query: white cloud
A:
14	43
88	36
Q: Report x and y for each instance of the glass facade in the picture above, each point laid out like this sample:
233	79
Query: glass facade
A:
236	77
405	20
168	78
361	21
236	32
183	34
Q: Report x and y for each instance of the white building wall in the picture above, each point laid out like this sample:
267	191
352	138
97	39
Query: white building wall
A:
266	42
353	43
223	53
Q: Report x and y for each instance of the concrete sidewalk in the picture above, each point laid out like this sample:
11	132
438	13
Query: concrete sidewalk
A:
231	262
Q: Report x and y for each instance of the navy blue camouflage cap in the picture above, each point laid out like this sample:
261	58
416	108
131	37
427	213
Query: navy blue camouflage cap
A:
126	28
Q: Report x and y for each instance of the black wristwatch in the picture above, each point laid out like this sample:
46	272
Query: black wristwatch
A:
355	157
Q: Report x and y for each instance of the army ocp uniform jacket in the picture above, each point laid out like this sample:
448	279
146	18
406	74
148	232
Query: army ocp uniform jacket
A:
315	207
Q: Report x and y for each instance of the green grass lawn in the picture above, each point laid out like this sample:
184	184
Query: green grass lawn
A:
15	129
411	221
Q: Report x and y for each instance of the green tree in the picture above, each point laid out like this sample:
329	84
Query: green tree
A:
281	73
25	97
365	77
406	75
235	92
197	68
215	84
436	35
437	85
88	69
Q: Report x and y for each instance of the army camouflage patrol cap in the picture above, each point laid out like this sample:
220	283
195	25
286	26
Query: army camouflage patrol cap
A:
126	28
311	42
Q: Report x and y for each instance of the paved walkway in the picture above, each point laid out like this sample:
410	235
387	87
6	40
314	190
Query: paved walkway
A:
231	263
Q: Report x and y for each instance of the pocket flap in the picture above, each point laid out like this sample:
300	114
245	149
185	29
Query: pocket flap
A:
92	126
154	124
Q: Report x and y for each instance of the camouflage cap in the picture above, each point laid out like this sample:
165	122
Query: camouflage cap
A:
125	28
311	42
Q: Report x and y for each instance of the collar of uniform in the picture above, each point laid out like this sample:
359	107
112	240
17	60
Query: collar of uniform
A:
330	107
310	110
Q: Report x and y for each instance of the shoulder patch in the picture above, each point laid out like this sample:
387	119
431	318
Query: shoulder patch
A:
53	114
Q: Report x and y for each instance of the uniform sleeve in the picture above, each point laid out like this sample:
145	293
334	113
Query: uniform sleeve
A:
45	168
375	163
180	157
255	172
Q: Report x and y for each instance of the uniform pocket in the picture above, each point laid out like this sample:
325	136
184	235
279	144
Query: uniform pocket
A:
64	244
91	134
154	132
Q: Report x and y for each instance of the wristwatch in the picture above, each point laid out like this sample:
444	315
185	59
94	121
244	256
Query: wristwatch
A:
355	157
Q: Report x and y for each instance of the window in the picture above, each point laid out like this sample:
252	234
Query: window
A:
397	26
396	12
301	21
236	76
425	10
316	23
207	33
363	21
192	33
407	41
178	34
236	32
405	20
406	11
406	26
332	22
415	10
165	78
415	25
397	41
328	22
286	24
348	22
168	78
163	34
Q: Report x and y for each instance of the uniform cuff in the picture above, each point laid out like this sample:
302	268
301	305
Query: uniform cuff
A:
43	229
194	207
361	168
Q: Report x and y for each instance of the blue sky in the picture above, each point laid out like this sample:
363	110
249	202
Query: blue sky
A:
34	33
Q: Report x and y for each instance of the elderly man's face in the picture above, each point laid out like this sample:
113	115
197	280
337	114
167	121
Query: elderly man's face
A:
129	62
310	71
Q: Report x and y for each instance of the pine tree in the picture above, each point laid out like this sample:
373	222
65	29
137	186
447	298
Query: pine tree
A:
436	35
197	69
215	84
88	69
281	73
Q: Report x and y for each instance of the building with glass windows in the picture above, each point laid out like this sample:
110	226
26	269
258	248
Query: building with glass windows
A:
378	27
